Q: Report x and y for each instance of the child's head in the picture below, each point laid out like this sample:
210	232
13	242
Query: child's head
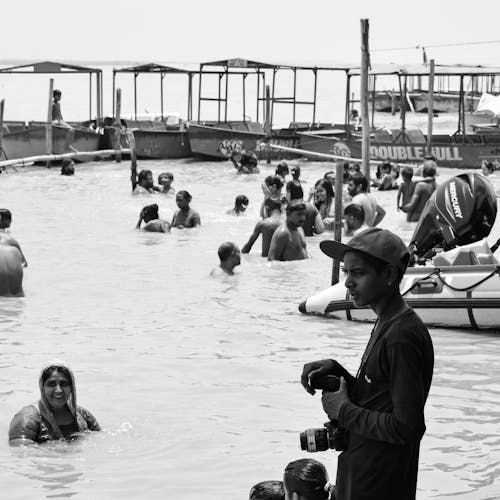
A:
407	174
306	479
267	490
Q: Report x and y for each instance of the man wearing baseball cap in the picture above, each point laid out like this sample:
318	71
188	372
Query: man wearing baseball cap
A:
381	409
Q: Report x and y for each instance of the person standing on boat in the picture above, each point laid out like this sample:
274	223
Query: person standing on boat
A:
357	187
57	118
289	241
381	409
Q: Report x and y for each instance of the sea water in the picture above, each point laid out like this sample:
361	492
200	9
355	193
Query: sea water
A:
195	380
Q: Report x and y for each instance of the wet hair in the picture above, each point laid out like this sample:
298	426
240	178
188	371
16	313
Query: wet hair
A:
67	167
47	373
150	212
327	186
274	180
56	92
355	166
429	170
272	204
226	250
360	180
143	174
267	490
5	213
241	199
185	195
407	173
295	190
295	171
356	211
308	478
489	165
295	207
282	169
165	174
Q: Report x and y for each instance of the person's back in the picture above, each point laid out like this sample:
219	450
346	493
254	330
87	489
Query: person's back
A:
422	192
358	185
369	204
11	271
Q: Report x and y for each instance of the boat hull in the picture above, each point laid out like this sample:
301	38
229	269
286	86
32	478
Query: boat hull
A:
429	292
217	143
162	144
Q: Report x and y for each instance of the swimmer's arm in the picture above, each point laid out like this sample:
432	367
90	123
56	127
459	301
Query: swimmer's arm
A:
253	237
380	215
278	244
319	226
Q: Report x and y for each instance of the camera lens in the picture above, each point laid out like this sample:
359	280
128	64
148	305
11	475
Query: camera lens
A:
312	440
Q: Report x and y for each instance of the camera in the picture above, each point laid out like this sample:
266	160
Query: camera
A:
330	436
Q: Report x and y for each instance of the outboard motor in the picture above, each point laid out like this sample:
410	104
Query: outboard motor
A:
462	210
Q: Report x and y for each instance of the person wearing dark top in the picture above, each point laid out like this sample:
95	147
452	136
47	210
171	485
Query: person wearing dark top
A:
381	409
56	415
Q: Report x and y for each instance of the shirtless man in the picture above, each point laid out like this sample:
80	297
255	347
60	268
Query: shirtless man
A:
288	241
265	227
421	194
230	257
11	271
5	237
358	185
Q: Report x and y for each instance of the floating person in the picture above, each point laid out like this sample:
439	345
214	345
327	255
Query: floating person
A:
289	241
358	185
271	187
421	194
5	237
240	205
267	490
165	180
185	216
153	223
265	227
313	223
56	415
354	218
230	257
245	162
67	167
406	188
380	410
57	118
306	479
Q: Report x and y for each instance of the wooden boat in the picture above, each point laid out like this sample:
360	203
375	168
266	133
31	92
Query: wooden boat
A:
156	138
453	296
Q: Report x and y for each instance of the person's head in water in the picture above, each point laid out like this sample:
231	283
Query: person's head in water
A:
294	191
183	199
354	217
358	183
487	168
150	212
57	94
295	171
407	174
5	218
306	479
240	204
230	256
165	180
67	167
296	214
145	179
56	386
274	184
267	490
282	169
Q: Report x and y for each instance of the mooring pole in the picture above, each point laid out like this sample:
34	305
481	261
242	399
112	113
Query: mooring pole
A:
48	125
337	229
267	123
365	120
118	126
430	106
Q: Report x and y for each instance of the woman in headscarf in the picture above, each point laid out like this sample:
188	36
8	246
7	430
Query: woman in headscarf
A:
56	415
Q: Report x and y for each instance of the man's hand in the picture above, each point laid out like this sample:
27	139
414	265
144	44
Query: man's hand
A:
315	369
333	401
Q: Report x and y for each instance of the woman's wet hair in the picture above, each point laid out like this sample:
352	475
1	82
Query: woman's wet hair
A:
282	169
308	478
150	212
185	195
241	199
267	490
47	373
67	167
273	180
295	171
327	186
294	189
226	250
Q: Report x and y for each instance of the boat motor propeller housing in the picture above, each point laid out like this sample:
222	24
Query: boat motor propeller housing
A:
462	210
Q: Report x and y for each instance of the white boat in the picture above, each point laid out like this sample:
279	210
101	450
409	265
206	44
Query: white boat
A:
452	296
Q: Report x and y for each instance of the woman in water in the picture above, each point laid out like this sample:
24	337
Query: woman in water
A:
185	216
153	223
56	415
323	198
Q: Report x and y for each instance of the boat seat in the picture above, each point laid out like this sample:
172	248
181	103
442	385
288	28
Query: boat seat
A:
477	253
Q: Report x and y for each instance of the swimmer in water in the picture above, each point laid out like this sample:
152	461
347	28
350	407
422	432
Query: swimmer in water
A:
67	167
185	216
56	415
267	490
265	227
240	205
289	241
230	257
306	479
153	223
5	238
245	162
165	180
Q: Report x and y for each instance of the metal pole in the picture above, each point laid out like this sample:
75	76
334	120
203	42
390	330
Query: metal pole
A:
190	97
347	103
258	95
315	94
294	91
90	95
114	85
48	126
162	76
430	106
218	99
225	101
244	97
365	61
199	94
135	96
272	97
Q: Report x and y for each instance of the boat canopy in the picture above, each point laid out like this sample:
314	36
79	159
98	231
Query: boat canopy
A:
424	69
239	63
150	68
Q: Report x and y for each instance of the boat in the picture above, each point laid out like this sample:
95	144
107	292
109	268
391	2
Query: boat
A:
22	140
155	137
461	149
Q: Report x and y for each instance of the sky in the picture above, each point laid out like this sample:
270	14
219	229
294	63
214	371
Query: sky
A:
278	30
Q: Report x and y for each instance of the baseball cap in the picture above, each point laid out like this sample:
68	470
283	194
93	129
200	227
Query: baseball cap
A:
379	243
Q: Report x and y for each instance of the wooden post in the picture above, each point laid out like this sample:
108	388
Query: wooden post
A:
365	120
2	107
337	230
430	106
118	126
267	123
48	125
